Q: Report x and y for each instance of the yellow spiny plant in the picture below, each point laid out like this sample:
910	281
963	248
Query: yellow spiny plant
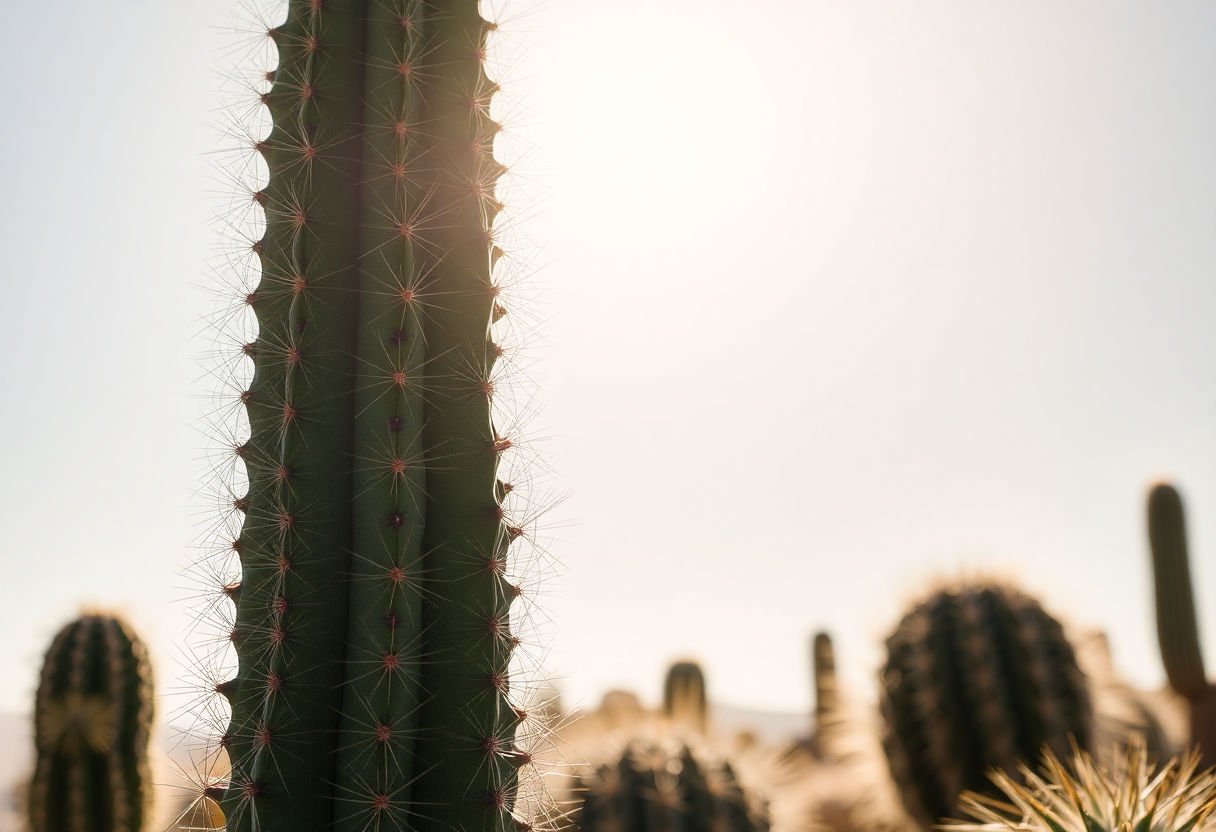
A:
1079	795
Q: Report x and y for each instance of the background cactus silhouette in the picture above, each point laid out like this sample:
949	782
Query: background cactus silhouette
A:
977	676
1177	628
655	786
685	699
92	720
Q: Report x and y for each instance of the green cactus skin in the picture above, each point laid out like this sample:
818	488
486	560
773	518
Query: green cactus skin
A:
685	701
977	676
371	627
653	787
92	718
1177	628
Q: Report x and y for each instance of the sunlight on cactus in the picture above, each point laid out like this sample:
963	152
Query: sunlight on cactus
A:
1081	796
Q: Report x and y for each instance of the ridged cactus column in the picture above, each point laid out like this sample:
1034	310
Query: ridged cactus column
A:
92	719
372	615
1177	629
977	676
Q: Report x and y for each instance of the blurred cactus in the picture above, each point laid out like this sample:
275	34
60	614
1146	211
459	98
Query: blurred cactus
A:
1177	628
1081	796
92	720
827	690
685	700
977	676
1123	716
828	716
372	616
654	787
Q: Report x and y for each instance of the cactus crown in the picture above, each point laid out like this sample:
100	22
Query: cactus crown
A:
92	720
1081	797
977	676
685	700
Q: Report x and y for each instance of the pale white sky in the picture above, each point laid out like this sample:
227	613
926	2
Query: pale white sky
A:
821	299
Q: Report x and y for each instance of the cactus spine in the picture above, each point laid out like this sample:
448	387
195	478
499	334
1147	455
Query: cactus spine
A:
1177	629
976	677
372	613
685	701
651	787
92	719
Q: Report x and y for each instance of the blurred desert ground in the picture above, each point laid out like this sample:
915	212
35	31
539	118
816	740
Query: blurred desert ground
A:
170	753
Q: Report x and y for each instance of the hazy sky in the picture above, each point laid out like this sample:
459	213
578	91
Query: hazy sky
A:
820	300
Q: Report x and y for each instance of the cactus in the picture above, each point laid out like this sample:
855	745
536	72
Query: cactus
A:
92	719
1177	630
1081	796
684	697
977	676
656	787
827	691
372	626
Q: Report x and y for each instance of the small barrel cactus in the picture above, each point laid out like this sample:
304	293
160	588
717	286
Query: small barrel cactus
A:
1177	630
684	696
977	677
658	787
92	719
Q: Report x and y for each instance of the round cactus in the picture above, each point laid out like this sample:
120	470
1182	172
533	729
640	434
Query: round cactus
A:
977	677
684	696
92	719
661	787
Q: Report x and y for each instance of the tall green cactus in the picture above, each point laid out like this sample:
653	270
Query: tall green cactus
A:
1177	629
977	676
92	719
685	701
372	614
655	788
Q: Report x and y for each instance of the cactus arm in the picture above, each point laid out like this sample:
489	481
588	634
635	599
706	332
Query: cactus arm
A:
1177	629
